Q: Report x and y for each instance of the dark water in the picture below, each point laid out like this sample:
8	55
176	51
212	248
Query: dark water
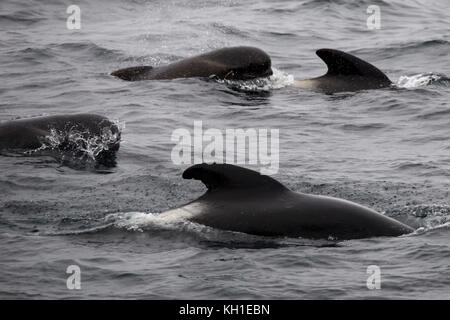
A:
388	149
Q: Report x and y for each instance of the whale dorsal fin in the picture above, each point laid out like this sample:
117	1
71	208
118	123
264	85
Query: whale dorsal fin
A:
217	176
342	63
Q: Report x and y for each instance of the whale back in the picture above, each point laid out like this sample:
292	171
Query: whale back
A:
17	136
242	200
234	63
133	73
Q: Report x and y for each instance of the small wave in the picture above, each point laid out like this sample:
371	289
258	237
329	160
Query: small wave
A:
423	230
277	80
422	44
91	230
363	127
86	48
410	165
411	47
34	53
439	114
421	80
21	17
227	29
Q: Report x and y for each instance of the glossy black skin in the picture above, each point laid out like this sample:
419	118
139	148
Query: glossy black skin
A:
242	200
235	63
30	133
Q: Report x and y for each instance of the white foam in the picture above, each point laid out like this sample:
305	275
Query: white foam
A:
277	80
417	80
142	221
434	216
91	146
280	79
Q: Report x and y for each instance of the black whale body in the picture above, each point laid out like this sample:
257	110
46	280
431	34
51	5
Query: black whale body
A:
32	133
242	200
234	63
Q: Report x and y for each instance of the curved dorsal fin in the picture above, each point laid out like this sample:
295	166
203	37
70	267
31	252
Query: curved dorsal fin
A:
342	63
216	176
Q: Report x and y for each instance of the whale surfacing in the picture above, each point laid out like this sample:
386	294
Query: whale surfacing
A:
234	63
32	133
242	200
345	73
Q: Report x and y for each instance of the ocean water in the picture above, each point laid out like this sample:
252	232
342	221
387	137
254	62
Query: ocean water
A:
388	149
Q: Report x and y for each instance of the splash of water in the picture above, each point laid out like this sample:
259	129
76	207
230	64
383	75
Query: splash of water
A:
82	143
277	80
141	221
421	80
433	217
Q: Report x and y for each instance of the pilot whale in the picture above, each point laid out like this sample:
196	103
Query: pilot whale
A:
32	133
345	73
234	63
242	200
